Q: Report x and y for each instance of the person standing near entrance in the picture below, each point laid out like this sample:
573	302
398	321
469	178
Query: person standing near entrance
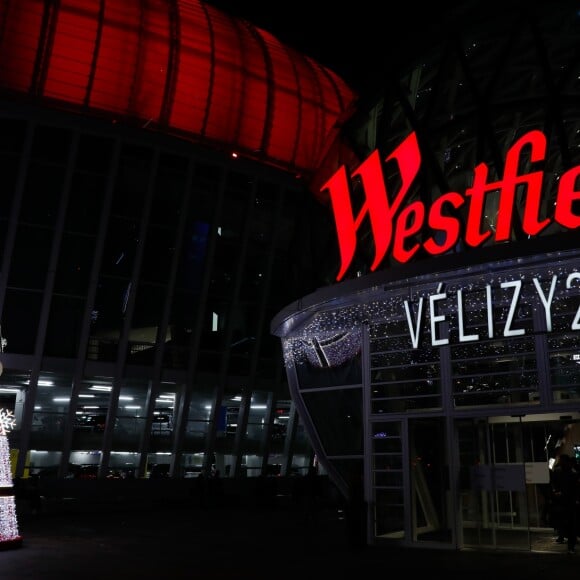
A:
566	490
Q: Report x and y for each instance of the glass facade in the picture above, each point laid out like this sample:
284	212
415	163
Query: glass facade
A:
392	374
438	378
140	274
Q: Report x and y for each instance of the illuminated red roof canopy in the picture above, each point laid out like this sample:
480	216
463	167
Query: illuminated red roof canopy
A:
178	66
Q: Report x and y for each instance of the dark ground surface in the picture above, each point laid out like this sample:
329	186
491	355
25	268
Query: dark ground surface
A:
71	539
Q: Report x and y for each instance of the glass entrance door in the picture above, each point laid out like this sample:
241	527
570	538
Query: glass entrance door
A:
410	480
429	482
504	481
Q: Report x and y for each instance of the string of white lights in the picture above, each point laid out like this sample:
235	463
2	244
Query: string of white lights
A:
8	521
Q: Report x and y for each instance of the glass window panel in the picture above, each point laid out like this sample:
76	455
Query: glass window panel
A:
328	357
158	464
265	210
74	265
163	416
51	409
42	194
193	256
389	513
44	463
402	378
64	326
337	414
149	304
192	465
51	144
495	372
32	246
169	190
302	440
183	309
109	308
300	464
85	203
239	363
9	165
12	135
198	419
388	478
120	247
279	428
123	464
214	325
225	267
131	419
20	320
132	182
94	154
92	406
256	425
563	348
158	256
252	467
253	281
348	373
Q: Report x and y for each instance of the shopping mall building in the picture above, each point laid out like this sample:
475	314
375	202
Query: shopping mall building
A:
215	255
438	376
154	159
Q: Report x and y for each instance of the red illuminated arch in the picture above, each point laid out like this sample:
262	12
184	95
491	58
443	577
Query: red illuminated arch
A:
178	66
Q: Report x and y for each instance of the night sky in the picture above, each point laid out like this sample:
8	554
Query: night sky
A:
356	40
361	40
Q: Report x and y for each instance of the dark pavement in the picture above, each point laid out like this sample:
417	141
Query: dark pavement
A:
235	541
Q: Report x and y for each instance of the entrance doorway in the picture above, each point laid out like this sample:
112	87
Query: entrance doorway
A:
417	485
504	479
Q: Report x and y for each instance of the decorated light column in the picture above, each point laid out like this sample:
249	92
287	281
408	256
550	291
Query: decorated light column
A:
9	536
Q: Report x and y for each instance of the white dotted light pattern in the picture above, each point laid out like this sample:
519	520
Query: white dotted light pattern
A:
7	421
5	469
9	535
8	520
548	285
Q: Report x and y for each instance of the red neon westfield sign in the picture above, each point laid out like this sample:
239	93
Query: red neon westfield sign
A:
393	223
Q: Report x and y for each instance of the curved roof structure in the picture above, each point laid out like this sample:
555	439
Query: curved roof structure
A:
178	66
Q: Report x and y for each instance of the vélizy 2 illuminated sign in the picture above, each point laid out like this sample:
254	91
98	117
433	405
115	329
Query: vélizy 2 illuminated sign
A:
394	224
444	308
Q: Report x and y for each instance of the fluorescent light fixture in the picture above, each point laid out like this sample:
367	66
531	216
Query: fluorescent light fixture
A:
42	383
132	406
86	396
258	406
91	407
125	398
101	388
61	399
7	390
37	407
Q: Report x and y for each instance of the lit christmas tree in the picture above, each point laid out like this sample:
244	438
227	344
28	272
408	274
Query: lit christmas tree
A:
9	536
